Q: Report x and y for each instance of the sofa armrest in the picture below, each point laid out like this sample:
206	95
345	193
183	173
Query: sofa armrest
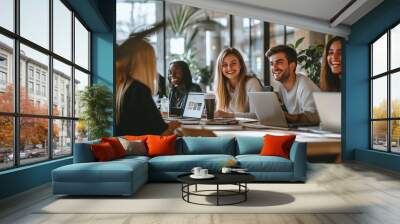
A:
83	152
298	155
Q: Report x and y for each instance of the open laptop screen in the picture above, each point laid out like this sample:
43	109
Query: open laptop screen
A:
194	105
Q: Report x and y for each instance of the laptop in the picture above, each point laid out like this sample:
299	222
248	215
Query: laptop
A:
194	107
269	111
329	110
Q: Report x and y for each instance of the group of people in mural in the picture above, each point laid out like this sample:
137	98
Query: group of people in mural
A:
136	80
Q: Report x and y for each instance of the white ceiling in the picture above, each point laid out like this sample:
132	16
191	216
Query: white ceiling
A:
315	15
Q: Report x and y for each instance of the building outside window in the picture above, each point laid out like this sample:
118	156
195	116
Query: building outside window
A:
385	95
34	95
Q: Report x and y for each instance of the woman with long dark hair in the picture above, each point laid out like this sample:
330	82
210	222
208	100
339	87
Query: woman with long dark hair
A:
331	69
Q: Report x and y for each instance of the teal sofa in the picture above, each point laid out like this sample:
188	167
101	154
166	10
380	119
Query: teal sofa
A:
125	176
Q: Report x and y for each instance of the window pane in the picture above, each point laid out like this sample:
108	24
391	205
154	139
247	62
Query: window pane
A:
62	89
62	138
35	21
241	37
395	47
81	81
379	98
276	34
81	131
379	135
6	142
81	45
62	29
33	140
34	96
257	49
292	34
379	56
6	74
7	14
395	94
395	136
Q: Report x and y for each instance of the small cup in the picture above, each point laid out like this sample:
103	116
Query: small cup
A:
226	170
203	172
196	170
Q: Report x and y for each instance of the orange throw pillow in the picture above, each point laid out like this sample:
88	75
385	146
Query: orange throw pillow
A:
134	137
277	145
103	151
161	145
116	145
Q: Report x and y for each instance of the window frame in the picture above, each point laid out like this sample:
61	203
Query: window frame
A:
16	115
388	74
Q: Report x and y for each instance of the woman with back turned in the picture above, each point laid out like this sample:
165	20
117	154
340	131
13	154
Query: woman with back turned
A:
136	78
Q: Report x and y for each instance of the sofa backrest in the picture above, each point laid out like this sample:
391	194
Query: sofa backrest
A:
83	152
206	145
249	145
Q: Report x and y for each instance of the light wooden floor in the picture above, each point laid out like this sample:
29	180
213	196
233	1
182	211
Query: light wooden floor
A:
377	188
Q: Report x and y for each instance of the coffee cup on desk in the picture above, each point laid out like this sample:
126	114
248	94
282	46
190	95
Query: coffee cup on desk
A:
209	100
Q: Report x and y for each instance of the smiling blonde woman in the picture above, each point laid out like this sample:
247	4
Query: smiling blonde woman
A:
232	85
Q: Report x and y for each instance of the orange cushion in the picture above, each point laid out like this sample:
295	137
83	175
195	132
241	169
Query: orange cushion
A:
277	145
116	145
134	137
103	151
161	145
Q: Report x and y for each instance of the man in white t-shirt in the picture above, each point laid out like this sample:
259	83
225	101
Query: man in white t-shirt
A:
294	89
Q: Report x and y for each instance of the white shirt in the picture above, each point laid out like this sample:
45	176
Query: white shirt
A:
300	98
252	85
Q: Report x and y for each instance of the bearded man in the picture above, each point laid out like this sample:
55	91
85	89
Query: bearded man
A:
295	90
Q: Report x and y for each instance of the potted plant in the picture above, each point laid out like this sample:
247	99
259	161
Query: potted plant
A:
96	102
309	59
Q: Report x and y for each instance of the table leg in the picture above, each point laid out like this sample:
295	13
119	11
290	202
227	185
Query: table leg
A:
217	194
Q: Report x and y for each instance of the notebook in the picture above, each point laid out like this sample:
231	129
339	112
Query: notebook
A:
329	108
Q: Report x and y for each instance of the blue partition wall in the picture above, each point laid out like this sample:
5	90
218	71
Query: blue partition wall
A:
356	105
100	17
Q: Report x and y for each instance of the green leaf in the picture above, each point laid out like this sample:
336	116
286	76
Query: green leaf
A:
298	42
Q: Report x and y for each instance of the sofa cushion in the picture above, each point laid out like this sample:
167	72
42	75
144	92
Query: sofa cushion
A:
116	145
83	152
206	145
103	152
161	145
134	147
277	145
248	145
185	163
257	163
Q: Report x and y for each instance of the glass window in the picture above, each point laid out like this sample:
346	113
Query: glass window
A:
6	142
379	135
81	81
62	29
395	47
395	95
241	37
62	138
379	98
7	14
385	129
40	62
257	49
379	56
63	72
35	21
276	34
81	45
7	74
33	140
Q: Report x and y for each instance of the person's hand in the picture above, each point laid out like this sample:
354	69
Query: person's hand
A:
173	125
221	113
291	117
